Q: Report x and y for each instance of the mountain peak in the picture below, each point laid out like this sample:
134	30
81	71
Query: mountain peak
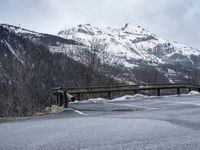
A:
126	25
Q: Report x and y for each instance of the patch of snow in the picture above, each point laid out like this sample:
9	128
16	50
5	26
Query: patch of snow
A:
186	50
13	51
131	98
93	100
19	30
171	81
170	71
193	93
187	77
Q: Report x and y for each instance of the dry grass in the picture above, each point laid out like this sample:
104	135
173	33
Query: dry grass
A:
3	120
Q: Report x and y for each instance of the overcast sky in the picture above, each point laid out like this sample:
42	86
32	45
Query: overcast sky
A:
175	20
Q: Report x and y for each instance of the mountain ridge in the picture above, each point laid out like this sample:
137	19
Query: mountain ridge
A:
130	37
135	47
131	47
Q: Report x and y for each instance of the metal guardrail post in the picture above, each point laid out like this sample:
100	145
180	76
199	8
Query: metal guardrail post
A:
79	96
178	91
109	95
158	92
136	91
65	99
58	100
61	99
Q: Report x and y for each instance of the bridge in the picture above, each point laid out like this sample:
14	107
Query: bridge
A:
65	95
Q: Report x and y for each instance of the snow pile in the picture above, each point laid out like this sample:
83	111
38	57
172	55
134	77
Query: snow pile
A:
54	109
123	98
93	100
97	100
193	93
131	97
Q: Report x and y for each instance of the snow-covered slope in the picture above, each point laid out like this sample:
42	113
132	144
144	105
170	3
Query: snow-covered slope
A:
47	39
134	47
131	43
20	30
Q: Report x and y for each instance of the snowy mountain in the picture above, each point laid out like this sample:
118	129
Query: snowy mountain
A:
136	55
135	47
132	43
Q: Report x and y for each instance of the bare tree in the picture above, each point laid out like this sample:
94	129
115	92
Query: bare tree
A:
18	76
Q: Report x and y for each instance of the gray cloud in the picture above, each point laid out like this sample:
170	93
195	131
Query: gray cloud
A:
173	20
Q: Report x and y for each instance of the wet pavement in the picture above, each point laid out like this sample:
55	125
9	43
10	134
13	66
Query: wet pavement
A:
156	124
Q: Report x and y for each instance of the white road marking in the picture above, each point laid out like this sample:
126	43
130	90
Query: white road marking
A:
79	112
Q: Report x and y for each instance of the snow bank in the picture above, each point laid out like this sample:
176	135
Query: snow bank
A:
192	93
123	98
93	100
97	100
131	97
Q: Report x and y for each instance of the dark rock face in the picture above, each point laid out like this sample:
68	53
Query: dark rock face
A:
195	60
85	31
147	38
177	58
161	50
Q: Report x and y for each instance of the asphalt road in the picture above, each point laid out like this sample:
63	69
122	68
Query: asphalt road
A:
153	124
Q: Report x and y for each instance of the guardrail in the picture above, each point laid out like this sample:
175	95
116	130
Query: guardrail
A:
64	95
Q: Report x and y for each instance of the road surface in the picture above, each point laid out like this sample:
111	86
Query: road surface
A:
165	123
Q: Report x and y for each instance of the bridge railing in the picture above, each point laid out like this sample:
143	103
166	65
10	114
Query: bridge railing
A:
64	95
117	86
